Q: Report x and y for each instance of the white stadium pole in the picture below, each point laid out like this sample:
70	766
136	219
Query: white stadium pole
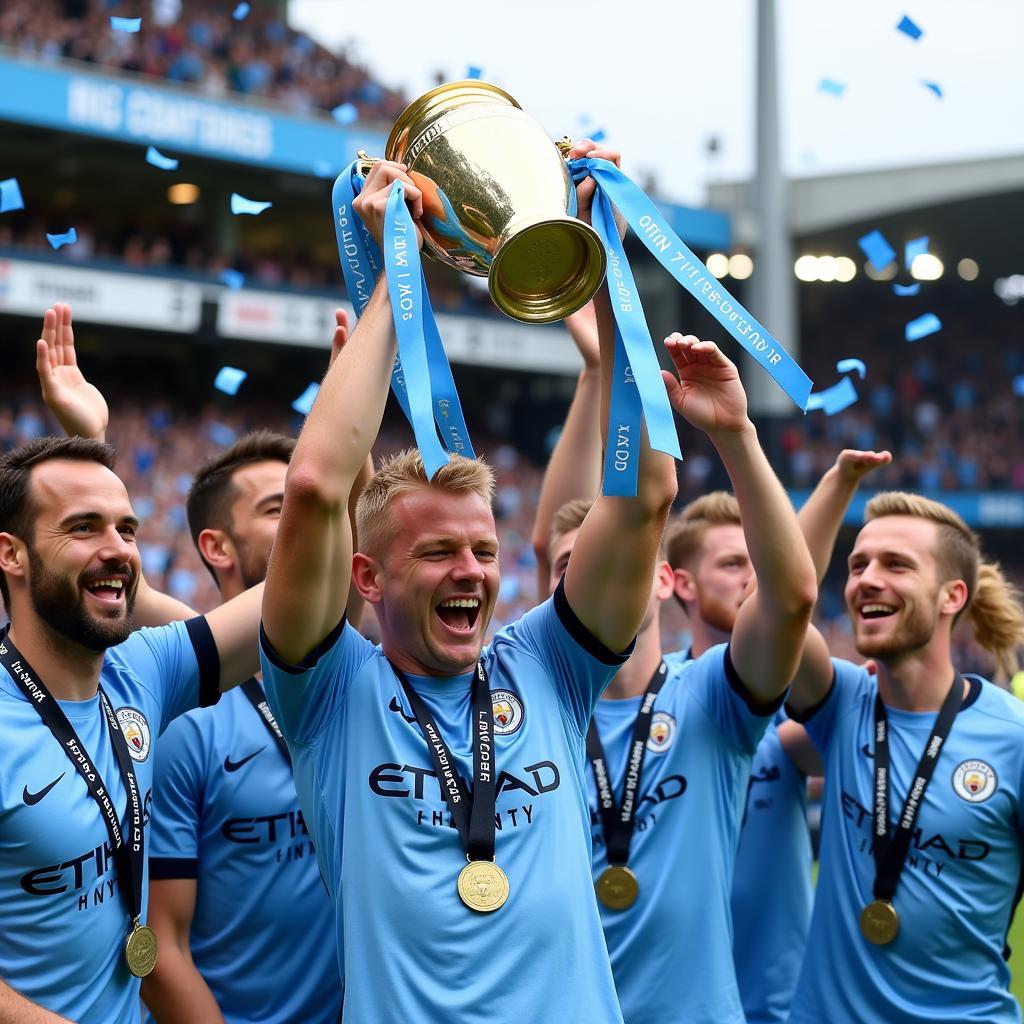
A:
772	294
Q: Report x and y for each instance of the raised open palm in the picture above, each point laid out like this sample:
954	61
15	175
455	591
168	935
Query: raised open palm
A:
79	407
708	392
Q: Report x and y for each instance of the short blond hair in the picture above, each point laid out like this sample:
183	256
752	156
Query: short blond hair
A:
568	518
403	472
685	535
993	605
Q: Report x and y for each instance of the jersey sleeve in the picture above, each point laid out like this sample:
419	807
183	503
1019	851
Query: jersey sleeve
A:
579	663
179	771
714	683
178	663
848	680
305	697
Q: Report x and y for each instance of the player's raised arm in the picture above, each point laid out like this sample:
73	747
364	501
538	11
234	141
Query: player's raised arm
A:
770	625
820	520
310	568
574	469
608	581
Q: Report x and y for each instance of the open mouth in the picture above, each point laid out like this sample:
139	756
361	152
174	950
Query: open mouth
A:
109	589
459	614
876	611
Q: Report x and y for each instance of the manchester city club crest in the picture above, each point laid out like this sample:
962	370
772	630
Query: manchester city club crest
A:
507	711
975	781
663	732
136	732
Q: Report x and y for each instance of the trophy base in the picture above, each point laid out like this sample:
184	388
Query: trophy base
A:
547	270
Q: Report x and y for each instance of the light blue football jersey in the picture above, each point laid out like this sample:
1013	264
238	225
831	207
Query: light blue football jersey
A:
64	917
958	887
225	812
389	851
772	893
671	951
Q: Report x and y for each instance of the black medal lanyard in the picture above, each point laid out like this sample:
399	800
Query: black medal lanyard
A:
473	814
128	849
617	818
258	699
890	851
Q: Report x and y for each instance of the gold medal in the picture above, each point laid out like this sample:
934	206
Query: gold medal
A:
140	950
483	886
617	888
879	922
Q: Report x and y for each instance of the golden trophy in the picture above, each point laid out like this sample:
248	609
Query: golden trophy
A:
498	199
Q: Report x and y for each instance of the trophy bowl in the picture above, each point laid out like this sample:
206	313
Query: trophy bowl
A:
498	200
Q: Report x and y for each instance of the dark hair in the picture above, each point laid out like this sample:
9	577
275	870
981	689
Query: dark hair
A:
16	511
213	491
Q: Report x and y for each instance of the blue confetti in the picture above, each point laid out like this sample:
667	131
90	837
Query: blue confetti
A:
1018	386
324	169
239	204
241	11
597	136
878	251
914	248
304	402
234	279
906	289
346	113
68	238
10	196
909	28
125	24
833	399
851	365
922	327
229	379
157	159
831	87
934	86
473	72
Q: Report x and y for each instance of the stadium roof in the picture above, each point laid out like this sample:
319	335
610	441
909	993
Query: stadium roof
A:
969	205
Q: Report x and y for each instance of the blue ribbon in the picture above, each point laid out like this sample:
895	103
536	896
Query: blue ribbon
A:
361	264
405	286
635	396
668	248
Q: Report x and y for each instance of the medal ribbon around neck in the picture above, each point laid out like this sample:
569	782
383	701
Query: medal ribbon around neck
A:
890	850
128	845
258	699
473	813
617	818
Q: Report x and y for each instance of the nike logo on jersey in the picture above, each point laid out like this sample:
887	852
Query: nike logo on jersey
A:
233	766
33	798
397	708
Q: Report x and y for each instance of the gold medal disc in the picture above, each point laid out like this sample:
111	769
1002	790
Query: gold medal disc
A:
140	950
483	886
879	922
617	887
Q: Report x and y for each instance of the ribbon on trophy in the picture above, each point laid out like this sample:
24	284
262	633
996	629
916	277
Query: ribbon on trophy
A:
422	379
637	374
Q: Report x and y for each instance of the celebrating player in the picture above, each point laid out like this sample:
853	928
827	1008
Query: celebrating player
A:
495	915
921	827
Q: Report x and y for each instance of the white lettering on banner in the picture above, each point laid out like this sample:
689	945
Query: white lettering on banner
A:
95	104
105	297
622	448
165	118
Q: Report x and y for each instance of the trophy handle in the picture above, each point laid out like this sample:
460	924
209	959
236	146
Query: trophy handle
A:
564	145
366	162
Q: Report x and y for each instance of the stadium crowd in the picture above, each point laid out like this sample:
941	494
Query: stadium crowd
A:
201	45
